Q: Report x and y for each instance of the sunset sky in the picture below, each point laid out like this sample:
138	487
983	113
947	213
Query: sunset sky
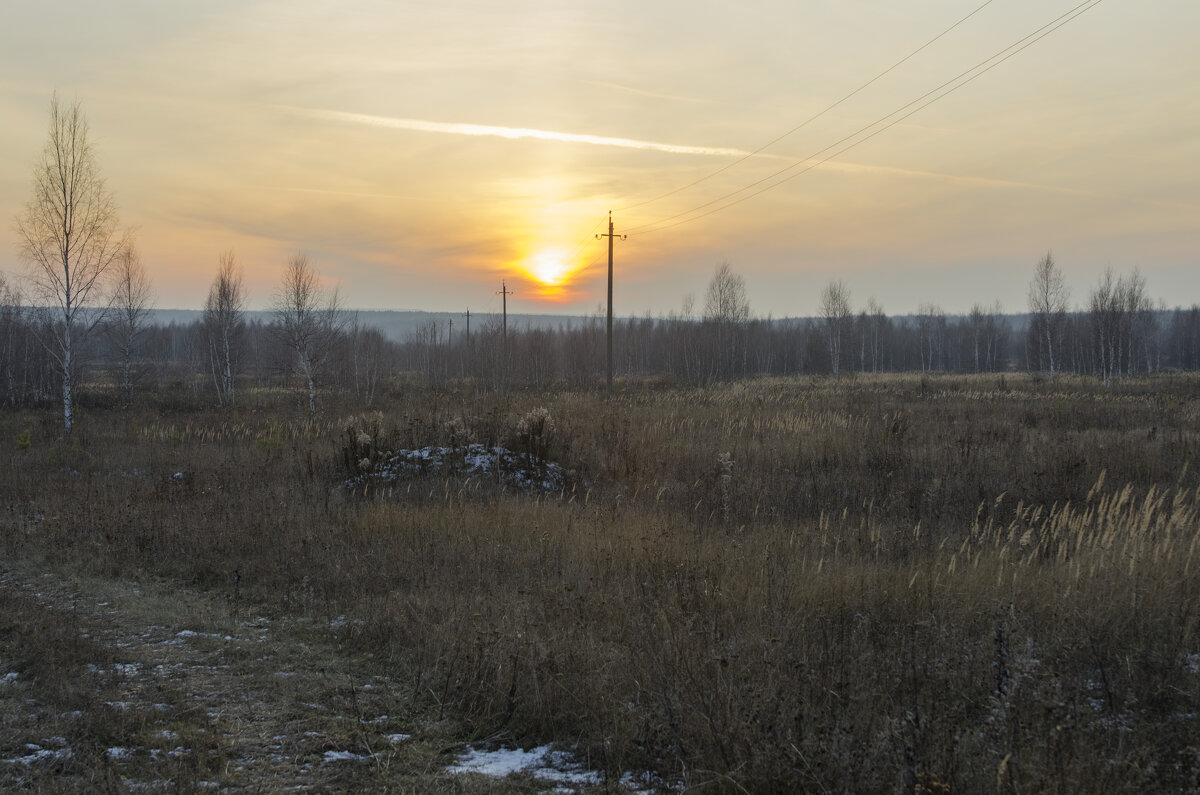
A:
421	151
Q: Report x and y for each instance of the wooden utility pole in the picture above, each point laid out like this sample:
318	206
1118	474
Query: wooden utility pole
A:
608	346
469	369
504	358
505	292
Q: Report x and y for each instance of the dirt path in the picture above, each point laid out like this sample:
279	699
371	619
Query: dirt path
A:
130	687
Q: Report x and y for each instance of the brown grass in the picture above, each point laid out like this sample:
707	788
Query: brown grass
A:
891	583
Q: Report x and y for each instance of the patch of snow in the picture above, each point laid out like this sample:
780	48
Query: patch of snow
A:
542	763
523	472
396	739
118	753
647	783
1191	663
40	755
9	678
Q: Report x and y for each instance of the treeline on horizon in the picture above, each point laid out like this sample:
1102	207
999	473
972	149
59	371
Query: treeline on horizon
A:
1119	336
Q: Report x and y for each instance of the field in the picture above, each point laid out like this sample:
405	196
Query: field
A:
892	583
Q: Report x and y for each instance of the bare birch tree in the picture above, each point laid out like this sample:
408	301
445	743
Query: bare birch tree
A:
309	319
931	330
835	310
223	324
368	348
727	309
1048	306
69	239
130	313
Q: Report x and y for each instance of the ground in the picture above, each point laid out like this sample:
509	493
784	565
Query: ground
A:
129	687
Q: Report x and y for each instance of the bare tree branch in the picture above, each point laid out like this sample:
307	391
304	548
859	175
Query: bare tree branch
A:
68	238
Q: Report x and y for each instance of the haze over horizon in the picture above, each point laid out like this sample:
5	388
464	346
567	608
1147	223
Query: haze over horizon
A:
421	153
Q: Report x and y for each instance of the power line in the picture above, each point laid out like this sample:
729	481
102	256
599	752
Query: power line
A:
980	69
813	118
584	241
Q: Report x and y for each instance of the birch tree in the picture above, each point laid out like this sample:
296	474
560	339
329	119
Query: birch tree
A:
68	238
835	310
1048	306
309	319
130	313
726	309
223	324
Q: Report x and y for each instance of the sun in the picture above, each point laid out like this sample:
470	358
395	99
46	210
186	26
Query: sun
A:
549	267
551	271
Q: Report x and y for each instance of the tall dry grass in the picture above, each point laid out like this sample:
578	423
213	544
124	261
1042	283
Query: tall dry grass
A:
891	583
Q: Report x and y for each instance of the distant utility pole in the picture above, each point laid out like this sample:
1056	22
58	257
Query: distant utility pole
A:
469	362
608	356
504	291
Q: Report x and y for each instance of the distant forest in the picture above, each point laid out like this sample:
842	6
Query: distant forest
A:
169	351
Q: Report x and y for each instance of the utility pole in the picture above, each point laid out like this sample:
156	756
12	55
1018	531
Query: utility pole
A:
469	357
608	356
505	292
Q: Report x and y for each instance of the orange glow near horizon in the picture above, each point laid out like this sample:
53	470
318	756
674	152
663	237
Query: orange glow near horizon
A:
549	269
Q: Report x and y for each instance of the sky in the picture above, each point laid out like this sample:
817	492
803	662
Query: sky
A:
423	152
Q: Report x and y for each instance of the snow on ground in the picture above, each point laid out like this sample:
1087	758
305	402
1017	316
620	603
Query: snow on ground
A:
542	763
548	765
525	473
37	753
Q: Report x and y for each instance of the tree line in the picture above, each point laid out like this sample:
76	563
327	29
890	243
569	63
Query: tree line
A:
309	341
86	304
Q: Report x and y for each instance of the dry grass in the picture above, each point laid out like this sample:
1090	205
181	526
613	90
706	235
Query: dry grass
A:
894	583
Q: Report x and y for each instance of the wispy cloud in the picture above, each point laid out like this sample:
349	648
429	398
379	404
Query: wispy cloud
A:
513	133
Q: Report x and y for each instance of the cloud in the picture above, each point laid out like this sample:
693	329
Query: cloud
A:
513	133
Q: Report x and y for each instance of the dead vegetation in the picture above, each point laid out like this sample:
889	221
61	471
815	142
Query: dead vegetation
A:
893	583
